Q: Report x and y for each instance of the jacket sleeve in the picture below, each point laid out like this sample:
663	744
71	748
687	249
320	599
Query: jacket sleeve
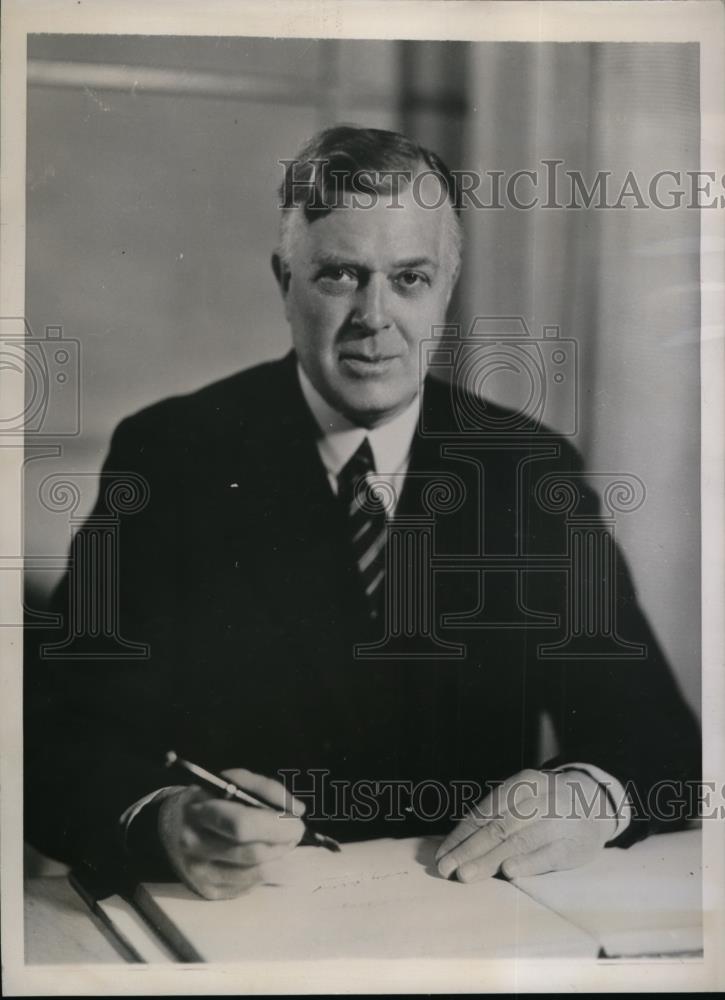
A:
617	705
99	689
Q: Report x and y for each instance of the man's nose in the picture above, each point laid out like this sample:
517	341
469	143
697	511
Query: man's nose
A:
372	306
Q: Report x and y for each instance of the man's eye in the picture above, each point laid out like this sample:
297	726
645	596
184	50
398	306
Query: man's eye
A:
340	275
412	279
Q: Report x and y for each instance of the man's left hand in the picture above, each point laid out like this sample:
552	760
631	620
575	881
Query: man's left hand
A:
534	822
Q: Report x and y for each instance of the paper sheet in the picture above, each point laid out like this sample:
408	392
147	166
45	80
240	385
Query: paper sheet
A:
377	899
643	900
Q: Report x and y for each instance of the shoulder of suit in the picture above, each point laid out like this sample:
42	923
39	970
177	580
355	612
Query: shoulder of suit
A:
249	404
241	403
443	401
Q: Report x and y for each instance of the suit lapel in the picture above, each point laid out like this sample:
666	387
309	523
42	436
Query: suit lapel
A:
277	464
425	453
288	526
283	514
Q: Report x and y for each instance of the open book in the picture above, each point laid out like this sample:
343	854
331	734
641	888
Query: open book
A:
377	899
646	900
384	899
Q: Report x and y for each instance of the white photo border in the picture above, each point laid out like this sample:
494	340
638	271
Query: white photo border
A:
700	21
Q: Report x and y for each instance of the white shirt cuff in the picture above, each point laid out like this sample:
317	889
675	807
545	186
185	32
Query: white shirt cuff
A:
132	812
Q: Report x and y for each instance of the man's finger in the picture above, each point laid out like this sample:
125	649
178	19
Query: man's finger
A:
241	824
204	845
517	789
485	811
487	859
547	858
219	881
458	834
485	839
248	855
268	789
518	845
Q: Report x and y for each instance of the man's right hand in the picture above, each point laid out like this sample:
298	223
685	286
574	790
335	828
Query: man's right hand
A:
217	847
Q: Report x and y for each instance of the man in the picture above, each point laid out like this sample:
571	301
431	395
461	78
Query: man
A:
265	578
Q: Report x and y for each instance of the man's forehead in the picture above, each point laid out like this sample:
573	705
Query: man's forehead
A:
408	189
404	227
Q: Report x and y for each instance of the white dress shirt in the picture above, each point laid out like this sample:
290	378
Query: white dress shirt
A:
339	440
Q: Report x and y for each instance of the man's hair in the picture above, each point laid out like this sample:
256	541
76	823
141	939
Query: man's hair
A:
365	161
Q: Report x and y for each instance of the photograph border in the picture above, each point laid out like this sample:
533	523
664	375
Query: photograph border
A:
699	21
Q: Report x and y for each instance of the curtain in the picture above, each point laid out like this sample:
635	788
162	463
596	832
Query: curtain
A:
622	283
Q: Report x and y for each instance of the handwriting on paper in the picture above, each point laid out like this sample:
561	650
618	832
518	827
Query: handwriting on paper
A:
338	882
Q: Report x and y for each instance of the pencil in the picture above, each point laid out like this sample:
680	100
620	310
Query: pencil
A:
225	789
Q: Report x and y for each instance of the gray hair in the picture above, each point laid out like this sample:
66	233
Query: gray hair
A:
363	161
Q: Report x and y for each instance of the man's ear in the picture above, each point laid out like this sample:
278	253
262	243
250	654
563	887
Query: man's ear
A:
281	273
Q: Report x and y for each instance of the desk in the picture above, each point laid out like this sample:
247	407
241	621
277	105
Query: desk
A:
60	929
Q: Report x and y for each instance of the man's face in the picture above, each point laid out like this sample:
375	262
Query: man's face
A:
363	288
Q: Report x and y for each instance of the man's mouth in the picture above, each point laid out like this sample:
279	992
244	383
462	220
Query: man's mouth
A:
358	363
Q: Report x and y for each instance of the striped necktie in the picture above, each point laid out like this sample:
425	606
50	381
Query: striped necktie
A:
366	522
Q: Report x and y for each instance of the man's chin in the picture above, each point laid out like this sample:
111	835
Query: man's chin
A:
370	410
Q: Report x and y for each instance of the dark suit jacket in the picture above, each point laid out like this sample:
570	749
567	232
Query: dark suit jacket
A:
250	603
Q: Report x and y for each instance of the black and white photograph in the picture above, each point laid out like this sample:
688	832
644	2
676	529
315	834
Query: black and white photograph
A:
361	427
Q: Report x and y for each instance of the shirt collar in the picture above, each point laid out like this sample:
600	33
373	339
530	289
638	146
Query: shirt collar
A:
390	442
